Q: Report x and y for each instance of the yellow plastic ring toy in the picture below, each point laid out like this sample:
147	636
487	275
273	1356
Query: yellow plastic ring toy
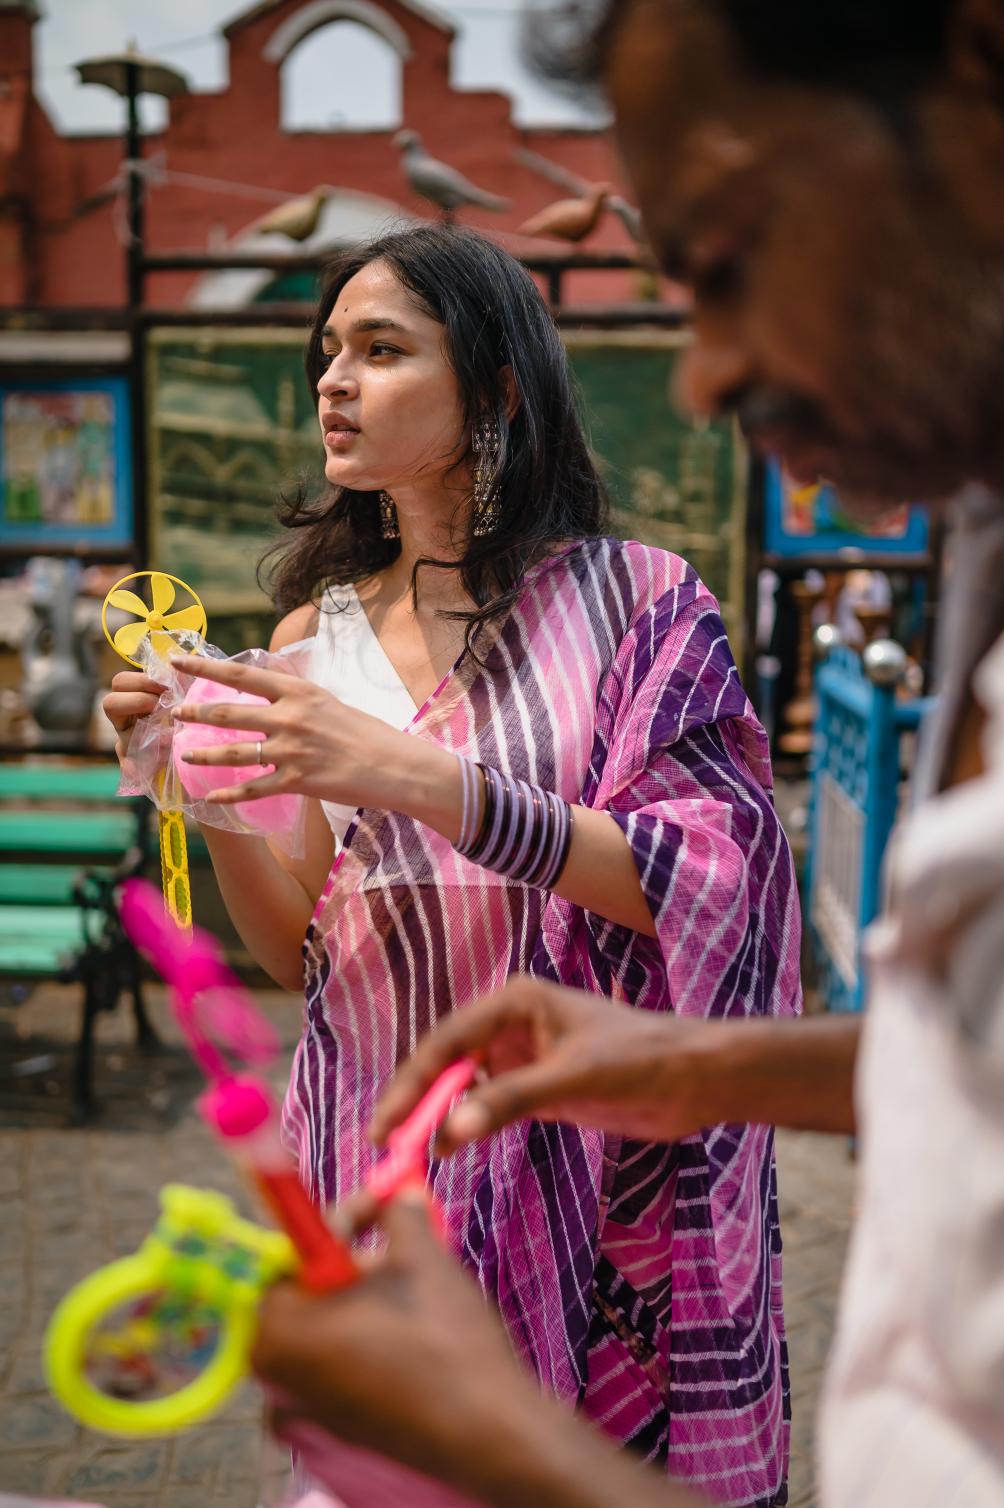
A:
160	1267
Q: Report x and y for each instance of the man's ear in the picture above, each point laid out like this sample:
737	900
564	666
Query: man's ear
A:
510	390
976	46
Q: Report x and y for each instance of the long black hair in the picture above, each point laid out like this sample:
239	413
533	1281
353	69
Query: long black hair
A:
547	486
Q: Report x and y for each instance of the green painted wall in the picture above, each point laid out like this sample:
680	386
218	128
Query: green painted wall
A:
231	421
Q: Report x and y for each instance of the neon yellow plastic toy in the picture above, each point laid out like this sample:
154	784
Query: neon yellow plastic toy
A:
157	1341
158	623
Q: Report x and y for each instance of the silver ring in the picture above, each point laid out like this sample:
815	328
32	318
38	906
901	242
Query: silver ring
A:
258	751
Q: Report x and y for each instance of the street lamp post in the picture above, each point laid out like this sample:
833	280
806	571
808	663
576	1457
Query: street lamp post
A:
136	205
129	74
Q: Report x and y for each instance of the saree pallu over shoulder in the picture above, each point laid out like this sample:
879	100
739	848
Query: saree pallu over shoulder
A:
641	1282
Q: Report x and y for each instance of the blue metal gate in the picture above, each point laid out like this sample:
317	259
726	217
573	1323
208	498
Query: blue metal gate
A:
856	784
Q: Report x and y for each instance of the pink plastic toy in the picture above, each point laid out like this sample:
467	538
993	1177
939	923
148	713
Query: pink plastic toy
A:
225	1033
408	1146
221	1023
271	813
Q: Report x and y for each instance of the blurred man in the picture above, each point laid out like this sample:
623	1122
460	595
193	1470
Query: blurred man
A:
829	178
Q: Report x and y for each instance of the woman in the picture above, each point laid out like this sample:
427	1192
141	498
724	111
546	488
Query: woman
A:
473	630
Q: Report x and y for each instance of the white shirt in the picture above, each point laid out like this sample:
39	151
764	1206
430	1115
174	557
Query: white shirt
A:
347	659
913	1410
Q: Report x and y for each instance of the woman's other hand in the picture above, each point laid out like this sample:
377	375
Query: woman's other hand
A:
133	695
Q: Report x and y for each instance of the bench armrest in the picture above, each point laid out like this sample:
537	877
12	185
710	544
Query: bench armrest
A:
94	893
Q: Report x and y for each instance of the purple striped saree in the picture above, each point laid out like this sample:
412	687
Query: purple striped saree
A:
641	1282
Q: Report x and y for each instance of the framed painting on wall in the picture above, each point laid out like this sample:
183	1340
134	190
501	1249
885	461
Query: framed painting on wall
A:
810	521
66	467
230	426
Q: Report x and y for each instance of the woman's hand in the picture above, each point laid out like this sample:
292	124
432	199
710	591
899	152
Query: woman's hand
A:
133	695
315	744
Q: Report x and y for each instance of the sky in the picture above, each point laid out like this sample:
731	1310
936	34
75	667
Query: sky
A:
342	75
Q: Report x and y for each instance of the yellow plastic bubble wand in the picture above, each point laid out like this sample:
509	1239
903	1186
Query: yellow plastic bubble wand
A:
157	1341
158	623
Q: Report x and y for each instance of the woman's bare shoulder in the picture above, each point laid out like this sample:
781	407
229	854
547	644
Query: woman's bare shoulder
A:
301	623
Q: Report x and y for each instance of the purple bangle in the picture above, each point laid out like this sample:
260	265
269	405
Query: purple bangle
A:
525	832
540	833
563	846
469	776
488	842
526	807
493	829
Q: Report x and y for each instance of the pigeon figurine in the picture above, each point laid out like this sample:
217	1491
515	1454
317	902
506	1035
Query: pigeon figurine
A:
570	219
297	218
555	173
436	181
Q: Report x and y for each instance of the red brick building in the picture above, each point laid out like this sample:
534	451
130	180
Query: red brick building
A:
58	240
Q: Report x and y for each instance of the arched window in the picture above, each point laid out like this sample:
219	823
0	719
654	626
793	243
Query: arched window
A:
342	77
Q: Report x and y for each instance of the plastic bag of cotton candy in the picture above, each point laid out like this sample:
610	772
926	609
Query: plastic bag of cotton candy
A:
154	765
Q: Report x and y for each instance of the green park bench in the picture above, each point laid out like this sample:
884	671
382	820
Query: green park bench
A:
66	841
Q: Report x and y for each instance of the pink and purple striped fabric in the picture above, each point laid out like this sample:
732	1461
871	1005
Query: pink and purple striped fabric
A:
641	1283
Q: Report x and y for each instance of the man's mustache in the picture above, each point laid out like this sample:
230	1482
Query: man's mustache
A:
767	415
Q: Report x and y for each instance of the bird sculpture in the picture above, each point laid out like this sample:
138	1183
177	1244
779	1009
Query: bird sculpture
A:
297	218
437	182
555	173
570	219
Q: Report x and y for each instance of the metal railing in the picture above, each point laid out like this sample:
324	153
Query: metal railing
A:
857	783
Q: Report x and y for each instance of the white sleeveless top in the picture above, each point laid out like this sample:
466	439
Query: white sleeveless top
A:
347	659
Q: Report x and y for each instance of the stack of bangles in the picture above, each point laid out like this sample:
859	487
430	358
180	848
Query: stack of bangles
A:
523	831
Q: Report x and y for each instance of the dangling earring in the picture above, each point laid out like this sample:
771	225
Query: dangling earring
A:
389	526
486	508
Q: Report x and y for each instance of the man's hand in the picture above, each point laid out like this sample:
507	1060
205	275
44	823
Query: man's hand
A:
555	1054
560	1055
409	1361
413	1363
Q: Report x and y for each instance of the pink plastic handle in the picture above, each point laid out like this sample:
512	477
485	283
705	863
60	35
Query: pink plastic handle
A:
212	1007
215	1011
408	1146
189	960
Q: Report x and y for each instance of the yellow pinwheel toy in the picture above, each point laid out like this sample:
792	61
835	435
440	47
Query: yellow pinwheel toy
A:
159	622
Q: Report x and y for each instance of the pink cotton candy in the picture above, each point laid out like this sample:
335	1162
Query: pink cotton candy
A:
271	814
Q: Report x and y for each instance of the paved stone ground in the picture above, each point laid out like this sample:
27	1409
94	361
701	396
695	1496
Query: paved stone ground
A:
73	1199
